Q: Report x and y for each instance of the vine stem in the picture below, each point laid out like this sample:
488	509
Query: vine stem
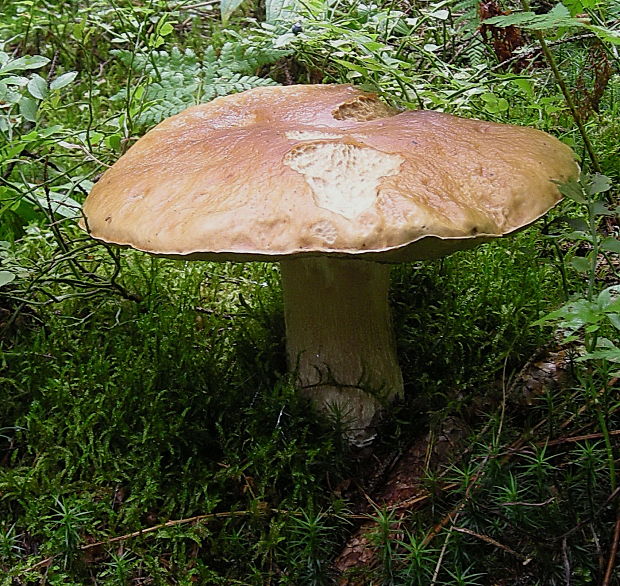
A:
568	98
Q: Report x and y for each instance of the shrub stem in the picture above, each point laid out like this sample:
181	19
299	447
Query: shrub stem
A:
565	92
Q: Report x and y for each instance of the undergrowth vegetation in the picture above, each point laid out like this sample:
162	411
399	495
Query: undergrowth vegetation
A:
149	431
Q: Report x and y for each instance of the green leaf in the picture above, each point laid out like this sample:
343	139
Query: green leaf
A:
579	6
37	87
227	7
579	236
440	14
13	151
281	10
18	80
611	244
165	29
598	184
493	103
600	209
60	204
581	264
525	85
608	299
610	355
574	315
559	16
63	80
28	109
24	63
8	95
6	277
578	224
573	190
180	79
605	350
605	34
114	142
352	66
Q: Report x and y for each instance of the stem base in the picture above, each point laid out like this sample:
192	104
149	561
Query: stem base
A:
340	342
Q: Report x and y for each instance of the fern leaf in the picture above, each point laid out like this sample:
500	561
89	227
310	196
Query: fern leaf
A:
559	16
178	79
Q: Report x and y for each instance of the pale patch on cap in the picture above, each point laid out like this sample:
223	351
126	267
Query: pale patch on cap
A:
343	177
311	135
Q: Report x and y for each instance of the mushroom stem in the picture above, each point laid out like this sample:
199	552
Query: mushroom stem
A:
340	342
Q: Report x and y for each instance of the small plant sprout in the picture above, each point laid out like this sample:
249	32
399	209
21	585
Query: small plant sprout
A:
10	542
335	185
68	521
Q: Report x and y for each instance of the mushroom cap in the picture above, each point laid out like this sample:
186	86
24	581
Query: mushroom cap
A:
291	171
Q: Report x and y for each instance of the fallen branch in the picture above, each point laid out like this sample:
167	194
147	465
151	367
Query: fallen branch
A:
577	438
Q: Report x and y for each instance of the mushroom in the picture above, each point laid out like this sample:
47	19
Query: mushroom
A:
335	185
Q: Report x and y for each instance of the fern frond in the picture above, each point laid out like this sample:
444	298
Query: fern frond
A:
177	79
475	53
466	12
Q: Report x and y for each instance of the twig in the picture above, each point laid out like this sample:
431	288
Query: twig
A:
567	572
524	504
172	523
613	553
451	516
596	513
534	50
45	562
175	522
479	475
83	149
576	438
419	498
520	442
525	559
511	451
146	531
442	554
194	6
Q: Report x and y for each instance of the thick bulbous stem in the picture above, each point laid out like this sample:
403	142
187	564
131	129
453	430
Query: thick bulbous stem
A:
340	341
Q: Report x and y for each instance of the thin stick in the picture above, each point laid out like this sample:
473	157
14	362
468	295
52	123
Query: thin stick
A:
577	438
525	559
442	554
195	6
567	572
579	525
524	504
613	553
532	52
174	522
83	149
451	516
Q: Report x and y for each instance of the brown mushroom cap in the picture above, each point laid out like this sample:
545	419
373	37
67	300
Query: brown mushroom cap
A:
303	170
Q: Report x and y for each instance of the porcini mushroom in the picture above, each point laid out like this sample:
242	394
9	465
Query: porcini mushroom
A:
335	185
